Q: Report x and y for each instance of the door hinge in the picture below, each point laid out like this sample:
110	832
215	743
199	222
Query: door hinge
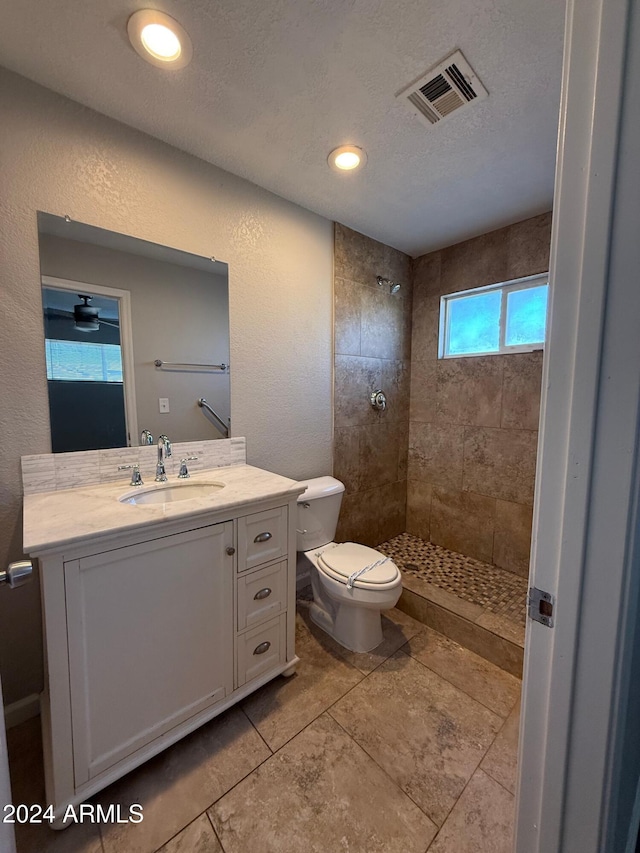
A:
540	605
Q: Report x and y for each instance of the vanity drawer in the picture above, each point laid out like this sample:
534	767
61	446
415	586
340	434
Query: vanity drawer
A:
262	536
262	595
261	649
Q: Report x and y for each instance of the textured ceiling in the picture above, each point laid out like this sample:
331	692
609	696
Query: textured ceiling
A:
274	85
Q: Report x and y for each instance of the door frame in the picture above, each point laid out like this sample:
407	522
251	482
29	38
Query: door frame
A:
123	297
577	675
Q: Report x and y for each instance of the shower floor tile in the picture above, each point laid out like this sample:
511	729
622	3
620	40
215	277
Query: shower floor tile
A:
488	587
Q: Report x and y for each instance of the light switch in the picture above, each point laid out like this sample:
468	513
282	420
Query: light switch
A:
163	404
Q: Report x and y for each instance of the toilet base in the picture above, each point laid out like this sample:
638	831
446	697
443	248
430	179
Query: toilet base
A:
355	628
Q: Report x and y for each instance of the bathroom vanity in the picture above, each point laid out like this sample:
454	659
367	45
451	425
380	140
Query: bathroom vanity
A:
158	613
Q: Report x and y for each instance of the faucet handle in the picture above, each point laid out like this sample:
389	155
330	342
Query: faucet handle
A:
136	477
184	471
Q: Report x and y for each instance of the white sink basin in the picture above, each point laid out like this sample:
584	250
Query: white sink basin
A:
171	492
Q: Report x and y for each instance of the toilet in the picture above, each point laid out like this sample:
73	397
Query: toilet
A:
351	583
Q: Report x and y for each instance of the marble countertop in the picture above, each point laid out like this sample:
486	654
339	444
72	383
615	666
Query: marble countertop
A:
69	516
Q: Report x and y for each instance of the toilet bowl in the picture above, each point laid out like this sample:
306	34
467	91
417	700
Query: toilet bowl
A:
351	583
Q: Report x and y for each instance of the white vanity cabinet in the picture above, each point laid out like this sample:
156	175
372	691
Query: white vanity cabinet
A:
150	637
151	633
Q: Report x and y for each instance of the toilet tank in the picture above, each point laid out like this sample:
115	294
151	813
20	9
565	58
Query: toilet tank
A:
318	510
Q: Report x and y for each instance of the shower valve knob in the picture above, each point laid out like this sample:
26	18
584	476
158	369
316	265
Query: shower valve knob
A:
378	400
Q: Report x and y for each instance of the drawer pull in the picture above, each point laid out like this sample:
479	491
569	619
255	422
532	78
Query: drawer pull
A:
263	537
262	593
231	550
261	648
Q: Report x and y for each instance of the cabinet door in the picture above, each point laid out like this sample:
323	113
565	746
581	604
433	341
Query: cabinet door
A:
150	632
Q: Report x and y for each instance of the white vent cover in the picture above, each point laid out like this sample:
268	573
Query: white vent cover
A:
448	87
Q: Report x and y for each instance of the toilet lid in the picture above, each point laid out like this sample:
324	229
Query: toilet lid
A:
347	558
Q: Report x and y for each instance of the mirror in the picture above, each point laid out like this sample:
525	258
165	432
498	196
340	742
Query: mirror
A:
136	334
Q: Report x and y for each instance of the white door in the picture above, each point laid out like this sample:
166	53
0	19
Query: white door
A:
579	757
7	838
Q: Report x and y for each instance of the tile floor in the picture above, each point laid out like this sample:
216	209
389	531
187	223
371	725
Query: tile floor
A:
407	749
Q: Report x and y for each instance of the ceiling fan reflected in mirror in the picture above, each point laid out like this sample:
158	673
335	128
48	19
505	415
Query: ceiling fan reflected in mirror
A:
86	317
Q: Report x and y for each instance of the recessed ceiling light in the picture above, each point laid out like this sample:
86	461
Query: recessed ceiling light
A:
159	39
347	158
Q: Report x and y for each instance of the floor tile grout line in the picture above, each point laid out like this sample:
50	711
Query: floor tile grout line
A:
215	832
468	695
256	729
386	773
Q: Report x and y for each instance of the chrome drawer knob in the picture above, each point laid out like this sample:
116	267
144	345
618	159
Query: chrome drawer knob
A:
262	593
261	648
263	537
231	550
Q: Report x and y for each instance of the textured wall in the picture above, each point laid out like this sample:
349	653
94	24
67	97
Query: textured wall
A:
474	421
59	157
372	350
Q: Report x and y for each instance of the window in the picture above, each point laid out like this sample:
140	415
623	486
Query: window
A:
500	318
76	361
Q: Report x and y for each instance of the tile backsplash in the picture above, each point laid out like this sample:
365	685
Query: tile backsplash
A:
48	472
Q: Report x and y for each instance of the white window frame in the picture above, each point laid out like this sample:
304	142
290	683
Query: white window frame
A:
506	287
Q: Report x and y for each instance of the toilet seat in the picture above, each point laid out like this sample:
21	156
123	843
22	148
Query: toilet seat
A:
341	561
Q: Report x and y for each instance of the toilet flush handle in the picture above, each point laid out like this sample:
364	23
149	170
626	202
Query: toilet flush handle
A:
17	573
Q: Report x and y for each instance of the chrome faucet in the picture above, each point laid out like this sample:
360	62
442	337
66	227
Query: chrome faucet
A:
164	451
146	437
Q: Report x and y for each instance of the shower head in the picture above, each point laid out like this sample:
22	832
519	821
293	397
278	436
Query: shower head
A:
394	287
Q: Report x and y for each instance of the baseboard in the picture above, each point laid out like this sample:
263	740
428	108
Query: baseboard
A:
23	709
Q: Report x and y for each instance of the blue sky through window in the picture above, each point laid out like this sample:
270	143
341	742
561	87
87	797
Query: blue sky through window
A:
474	323
505	318
526	316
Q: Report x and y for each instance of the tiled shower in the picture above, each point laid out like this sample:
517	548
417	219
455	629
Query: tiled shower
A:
451	461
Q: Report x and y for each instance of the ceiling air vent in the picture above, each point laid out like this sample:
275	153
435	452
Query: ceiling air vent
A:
448	87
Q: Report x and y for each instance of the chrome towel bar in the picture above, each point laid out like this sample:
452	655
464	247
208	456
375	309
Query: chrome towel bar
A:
185	365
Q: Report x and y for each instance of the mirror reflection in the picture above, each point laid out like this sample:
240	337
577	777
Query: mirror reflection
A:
136	336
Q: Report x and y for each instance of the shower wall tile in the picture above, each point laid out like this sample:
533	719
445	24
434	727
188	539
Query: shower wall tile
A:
419	508
469	391
474	263
372	348
528	246
426	324
359	258
394	378
347	313
51	471
383	327
426	272
354	380
379	454
521	389
422	406
494	400
436	454
371	517
500	463
346	457
463	522
512	539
